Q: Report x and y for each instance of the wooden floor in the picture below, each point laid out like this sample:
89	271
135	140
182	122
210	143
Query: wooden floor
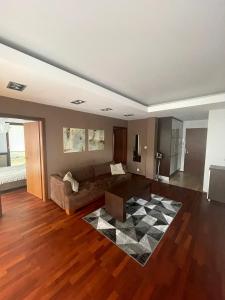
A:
189	181
45	254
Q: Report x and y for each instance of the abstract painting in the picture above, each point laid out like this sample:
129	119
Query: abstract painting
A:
96	139
73	140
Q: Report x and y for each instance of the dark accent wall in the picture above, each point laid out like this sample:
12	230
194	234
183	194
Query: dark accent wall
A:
164	144
57	118
147	131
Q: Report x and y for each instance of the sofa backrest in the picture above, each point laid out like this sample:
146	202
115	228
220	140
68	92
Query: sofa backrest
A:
83	174
90	172
102	169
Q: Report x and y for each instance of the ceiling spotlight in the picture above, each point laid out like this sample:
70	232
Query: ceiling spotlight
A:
106	109
128	115
16	86
78	101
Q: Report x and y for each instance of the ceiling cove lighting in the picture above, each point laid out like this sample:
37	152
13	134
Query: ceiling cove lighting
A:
16	86
190	102
106	109
78	102
128	115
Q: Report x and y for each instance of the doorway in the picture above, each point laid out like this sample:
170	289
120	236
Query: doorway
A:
23	160
194	160
120	144
33	136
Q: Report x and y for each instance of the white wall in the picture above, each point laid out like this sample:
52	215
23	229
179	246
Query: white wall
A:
215	148
190	124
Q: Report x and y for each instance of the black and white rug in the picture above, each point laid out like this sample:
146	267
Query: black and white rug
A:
146	223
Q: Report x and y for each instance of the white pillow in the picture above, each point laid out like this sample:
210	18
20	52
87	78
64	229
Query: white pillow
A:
74	183
117	169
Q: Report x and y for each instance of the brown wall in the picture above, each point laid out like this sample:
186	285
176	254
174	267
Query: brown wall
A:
152	128
57	118
146	128
137	127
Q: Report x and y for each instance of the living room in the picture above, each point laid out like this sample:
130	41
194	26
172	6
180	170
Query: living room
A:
125	169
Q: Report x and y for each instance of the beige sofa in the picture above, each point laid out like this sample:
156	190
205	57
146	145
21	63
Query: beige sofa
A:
94	181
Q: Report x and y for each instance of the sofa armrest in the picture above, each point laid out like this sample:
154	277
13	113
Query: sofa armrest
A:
59	190
75	200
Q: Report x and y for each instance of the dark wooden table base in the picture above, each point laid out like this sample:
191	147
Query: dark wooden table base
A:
116	197
115	206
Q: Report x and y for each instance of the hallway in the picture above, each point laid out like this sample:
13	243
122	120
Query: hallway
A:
186	180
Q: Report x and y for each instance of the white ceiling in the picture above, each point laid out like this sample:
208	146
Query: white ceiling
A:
52	86
150	51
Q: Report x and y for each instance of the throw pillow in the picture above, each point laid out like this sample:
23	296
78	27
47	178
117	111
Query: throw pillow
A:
117	169
74	183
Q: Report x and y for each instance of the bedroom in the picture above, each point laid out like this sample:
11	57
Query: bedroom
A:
19	154
12	154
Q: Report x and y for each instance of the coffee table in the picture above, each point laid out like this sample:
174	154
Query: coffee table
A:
116	197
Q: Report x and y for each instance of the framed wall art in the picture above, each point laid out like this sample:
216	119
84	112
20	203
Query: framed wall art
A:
73	140
96	139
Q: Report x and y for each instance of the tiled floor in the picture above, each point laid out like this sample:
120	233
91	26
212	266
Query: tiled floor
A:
188	181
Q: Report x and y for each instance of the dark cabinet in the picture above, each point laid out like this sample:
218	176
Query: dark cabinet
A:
217	183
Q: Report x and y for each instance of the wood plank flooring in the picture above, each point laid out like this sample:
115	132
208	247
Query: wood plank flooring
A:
45	254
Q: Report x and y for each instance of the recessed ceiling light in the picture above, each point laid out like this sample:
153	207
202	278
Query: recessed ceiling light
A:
106	109
128	115
16	86
77	101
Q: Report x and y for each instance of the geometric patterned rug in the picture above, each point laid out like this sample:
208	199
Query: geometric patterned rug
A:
146	223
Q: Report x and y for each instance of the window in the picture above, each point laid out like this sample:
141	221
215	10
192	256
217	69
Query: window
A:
16	145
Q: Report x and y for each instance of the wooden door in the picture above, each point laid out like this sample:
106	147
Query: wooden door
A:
195	151
34	158
120	144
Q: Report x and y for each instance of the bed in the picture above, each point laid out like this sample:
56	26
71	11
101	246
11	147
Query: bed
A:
12	177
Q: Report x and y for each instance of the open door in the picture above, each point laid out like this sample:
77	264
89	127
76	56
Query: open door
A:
33	137
120	144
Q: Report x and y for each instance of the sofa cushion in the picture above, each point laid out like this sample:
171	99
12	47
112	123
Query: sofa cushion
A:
87	185
102	181
73	182
102	169
105	182
117	179
114	180
117	169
